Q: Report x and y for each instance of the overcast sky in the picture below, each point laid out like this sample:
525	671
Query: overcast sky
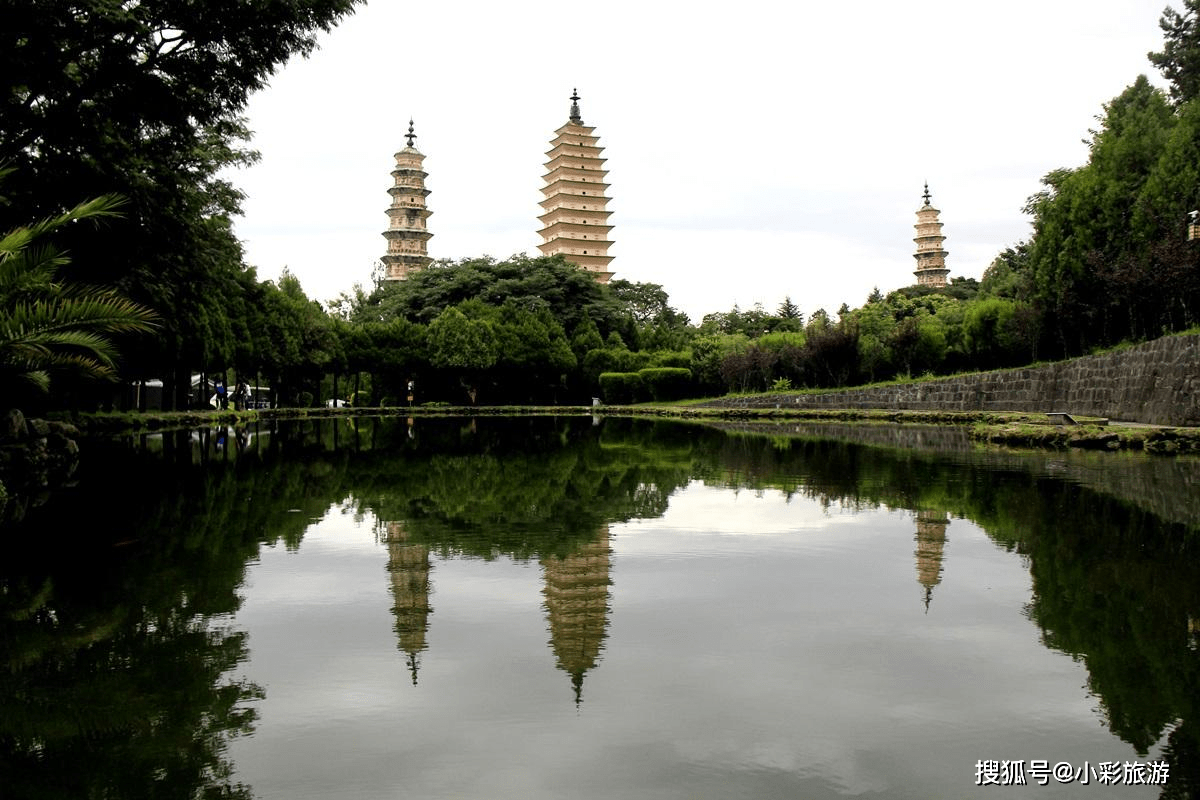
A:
755	150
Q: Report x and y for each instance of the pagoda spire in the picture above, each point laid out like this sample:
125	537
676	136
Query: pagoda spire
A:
575	117
575	222
407	235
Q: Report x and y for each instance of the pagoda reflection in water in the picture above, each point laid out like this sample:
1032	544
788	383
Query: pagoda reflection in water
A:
931	541
577	606
576	593
409	567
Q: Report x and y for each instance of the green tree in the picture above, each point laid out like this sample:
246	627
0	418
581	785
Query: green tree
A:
708	355
918	343
788	309
394	353
1008	274
646	302
992	334
144	99
1179	60
1084	220
567	291
875	324
831	350
463	346
585	337
1163	281
533	354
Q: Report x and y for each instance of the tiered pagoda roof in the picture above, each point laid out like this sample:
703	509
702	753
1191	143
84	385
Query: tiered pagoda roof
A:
575	222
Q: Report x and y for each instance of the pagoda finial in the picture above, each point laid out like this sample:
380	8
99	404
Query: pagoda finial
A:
414	664
410	135
575	107
926	193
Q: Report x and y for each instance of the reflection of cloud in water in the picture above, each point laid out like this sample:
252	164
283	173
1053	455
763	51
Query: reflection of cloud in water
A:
721	510
825	768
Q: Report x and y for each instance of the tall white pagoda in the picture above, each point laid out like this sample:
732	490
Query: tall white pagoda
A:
931	258
407	235
575	222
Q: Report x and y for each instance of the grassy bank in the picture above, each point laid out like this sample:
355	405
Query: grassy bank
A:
1151	439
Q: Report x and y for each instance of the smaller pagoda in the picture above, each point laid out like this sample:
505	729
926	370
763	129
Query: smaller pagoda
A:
931	544
931	258
407	235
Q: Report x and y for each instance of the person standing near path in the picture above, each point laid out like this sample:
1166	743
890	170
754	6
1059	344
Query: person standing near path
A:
240	395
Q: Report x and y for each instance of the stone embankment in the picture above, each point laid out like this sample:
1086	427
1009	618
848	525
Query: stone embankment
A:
35	455
1156	382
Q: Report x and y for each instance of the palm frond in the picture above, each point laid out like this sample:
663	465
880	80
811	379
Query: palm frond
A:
48	326
105	314
44	344
15	241
30	271
39	379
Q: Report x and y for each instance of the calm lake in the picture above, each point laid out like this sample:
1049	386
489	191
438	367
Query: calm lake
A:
580	607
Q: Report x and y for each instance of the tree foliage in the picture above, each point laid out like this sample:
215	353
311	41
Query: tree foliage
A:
1105	262
144	99
1179	60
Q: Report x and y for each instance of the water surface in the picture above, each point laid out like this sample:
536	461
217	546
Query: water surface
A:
584	608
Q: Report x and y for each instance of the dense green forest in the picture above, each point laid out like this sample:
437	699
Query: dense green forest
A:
142	103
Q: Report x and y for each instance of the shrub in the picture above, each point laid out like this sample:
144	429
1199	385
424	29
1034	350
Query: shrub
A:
672	358
614	360
619	388
666	383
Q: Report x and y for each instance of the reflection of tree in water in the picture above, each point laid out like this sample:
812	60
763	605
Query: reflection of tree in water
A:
117	681
118	676
1115	584
577	606
1116	588
523	488
527	490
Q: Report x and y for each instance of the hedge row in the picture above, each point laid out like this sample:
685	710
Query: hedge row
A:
656	384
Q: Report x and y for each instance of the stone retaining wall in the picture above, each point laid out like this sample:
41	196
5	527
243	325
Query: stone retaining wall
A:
1156	382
